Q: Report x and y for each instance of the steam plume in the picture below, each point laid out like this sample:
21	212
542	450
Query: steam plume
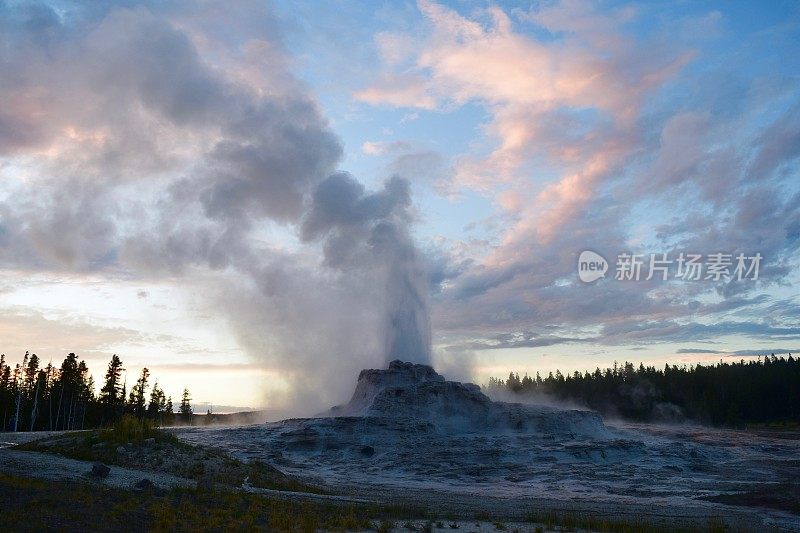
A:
370	230
181	171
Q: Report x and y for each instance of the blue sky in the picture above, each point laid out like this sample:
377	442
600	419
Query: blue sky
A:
172	187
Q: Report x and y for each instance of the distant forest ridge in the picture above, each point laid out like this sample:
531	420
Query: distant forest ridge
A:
754	392
34	398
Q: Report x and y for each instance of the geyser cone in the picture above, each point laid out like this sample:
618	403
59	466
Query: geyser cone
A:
416	392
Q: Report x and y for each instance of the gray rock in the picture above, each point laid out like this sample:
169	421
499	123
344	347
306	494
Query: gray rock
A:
120	449
99	470
144	485
367	451
149	442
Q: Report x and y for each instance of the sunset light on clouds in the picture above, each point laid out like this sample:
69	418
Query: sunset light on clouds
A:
257	200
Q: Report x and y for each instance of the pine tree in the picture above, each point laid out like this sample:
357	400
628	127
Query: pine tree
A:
72	387
41	384
85	396
31	371
158	404
111	395
186	406
136	401
19	382
50	372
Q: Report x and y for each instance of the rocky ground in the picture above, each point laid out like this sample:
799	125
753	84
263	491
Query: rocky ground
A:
413	450
468	501
409	434
42	490
684	475
155	460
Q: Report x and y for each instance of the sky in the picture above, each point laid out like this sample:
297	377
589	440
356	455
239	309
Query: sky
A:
256	200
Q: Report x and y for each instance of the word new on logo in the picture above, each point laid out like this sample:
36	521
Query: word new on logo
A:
591	266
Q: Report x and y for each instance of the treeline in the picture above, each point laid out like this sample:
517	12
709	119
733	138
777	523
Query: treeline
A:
762	391
36	398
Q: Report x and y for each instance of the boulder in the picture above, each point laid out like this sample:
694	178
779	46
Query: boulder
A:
144	485
367	451
99	470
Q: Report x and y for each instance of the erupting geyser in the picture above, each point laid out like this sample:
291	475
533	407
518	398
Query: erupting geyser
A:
417	393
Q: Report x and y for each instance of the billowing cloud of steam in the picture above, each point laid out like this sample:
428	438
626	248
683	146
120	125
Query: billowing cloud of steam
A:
165	144
371	229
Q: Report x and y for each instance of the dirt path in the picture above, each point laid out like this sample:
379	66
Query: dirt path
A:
8	439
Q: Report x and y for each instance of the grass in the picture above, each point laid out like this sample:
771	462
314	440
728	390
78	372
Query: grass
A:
566	521
132	429
101	445
33	505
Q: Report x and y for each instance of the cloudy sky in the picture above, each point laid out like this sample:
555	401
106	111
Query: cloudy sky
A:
256	200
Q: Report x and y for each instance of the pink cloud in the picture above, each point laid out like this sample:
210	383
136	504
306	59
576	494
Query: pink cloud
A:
384	147
563	112
400	90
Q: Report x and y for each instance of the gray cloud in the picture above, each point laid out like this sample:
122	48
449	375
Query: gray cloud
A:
522	340
778	144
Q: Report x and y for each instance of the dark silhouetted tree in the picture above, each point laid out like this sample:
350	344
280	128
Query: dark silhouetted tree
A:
136	402
185	409
158	404
111	395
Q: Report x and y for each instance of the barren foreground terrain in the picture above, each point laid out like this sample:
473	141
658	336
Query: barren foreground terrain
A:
668	477
672	475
